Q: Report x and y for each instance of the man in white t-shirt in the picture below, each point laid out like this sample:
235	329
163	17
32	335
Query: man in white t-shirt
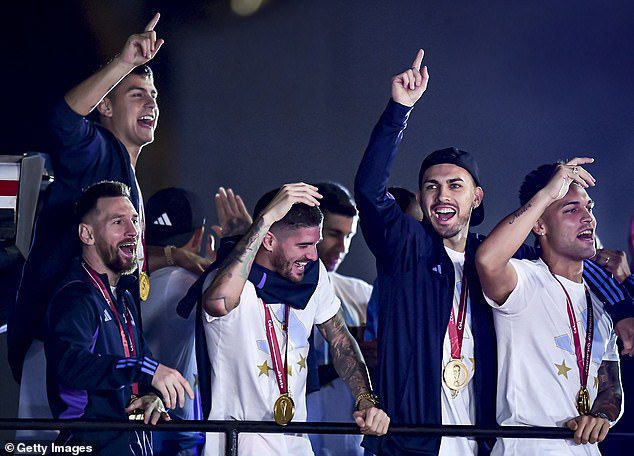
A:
558	364
260	308
333	401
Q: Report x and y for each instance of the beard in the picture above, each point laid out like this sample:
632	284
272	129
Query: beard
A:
284	267
449	231
113	261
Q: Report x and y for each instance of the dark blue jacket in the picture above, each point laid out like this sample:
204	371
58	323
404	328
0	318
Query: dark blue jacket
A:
82	153
88	374
415	279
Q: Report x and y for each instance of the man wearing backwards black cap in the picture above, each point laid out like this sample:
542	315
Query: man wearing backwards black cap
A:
427	324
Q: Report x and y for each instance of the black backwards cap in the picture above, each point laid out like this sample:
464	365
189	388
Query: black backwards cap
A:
461	158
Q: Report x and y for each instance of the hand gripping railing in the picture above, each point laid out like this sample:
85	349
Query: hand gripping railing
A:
231	429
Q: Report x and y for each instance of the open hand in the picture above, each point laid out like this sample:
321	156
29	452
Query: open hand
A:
568	173
233	217
172	386
288	195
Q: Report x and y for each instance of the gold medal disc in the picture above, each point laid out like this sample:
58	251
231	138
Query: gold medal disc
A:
283	410
144	286
583	401
455	375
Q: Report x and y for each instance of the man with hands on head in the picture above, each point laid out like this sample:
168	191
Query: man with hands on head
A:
557	355
98	365
260	307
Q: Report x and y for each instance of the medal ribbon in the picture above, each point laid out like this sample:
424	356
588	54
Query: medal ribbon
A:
128	344
583	359
456	329
281	374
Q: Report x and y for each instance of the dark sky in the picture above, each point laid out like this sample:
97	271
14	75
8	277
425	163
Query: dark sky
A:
292	92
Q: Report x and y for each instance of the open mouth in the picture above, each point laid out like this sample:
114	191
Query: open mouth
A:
128	249
444	213
146	121
586	235
301	265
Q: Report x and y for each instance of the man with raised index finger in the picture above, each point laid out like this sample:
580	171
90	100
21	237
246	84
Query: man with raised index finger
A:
435	345
84	152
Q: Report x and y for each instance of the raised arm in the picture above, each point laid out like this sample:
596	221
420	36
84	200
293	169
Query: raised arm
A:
377	210
497	276
350	366
138	49
223	295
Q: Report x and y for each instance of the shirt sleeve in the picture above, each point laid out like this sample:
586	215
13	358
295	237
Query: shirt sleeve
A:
73	331
612	349
527	282
386	229
74	140
328	303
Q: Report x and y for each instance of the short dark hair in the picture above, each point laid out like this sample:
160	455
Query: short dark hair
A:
336	199
143	70
536	180
403	197
299	216
87	202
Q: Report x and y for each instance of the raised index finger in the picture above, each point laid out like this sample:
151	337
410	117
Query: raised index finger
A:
150	26
418	60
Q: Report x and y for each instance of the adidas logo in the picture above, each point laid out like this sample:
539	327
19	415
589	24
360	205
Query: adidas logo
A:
163	220
106	315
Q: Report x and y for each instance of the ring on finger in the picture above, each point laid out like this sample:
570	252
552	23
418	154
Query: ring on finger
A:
575	170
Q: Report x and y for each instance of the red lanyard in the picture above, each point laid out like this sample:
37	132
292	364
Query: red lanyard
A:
583	359
281	375
456	329
128	344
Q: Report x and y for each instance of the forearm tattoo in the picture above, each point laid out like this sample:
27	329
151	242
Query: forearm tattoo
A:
610	394
238	264
346	356
519	213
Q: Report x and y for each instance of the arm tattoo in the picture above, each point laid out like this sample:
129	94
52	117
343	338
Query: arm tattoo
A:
244	252
234	272
610	394
519	213
347	357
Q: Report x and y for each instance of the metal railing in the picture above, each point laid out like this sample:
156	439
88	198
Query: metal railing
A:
232	429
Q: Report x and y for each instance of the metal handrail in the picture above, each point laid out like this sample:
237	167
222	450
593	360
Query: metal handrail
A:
231	429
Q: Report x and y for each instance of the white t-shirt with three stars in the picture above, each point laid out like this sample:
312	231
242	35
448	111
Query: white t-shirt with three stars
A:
243	385
538	377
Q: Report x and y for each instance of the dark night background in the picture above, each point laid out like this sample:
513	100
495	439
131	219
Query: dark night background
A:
292	91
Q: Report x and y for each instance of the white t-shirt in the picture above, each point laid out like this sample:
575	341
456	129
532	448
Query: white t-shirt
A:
538	377
243	385
170	337
461	408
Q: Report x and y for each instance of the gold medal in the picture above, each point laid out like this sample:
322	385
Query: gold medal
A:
283	410
456	376
144	285
583	401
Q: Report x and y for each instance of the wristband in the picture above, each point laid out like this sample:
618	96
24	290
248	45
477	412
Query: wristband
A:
370	397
